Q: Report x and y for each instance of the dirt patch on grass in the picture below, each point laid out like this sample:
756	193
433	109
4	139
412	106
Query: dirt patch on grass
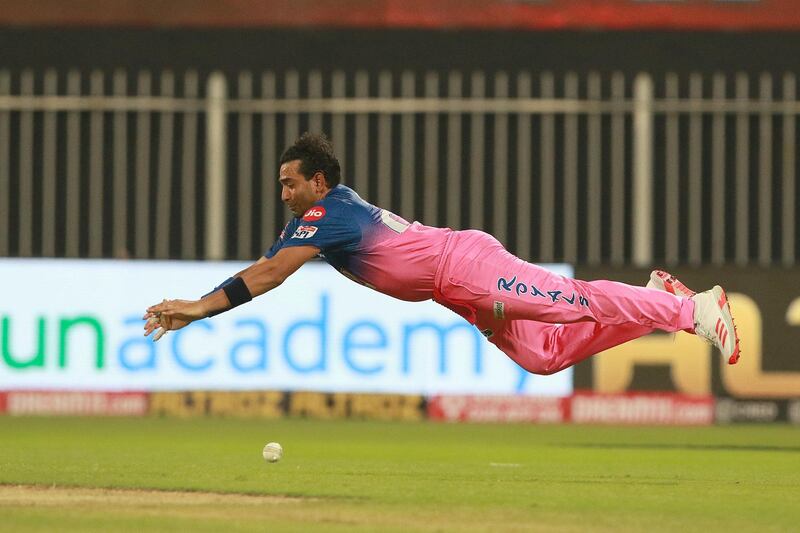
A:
46	496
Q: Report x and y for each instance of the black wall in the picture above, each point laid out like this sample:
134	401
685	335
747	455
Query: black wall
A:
395	49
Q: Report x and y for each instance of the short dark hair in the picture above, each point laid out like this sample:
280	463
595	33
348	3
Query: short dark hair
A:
315	153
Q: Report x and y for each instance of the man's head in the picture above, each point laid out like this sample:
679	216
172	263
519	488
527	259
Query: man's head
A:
309	169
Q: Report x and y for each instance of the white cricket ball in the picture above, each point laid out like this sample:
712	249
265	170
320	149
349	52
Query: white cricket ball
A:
272	452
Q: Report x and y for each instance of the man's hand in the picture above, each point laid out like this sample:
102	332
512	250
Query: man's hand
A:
170	315
260	277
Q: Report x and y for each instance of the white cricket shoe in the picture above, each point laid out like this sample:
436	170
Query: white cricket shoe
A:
664	281
713	321
712	313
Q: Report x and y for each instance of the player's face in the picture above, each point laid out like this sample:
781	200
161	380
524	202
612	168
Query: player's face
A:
297	192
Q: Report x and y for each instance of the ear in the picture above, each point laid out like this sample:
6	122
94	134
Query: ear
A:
319	180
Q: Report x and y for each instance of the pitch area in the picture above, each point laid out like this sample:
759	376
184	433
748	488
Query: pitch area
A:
73	474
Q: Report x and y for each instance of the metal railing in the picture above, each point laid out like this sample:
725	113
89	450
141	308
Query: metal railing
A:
577	168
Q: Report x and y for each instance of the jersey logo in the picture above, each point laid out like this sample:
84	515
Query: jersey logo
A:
304	232
499	310
314	214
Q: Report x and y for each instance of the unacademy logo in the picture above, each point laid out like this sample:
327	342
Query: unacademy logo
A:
63	327
322	351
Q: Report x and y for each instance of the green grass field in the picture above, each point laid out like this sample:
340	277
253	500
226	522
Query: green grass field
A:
208	475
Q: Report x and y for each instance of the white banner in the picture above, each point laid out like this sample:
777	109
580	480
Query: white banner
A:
68	324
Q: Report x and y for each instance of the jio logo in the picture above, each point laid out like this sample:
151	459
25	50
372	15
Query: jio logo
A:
315	213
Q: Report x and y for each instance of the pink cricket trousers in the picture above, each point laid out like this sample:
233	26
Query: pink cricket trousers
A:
543	321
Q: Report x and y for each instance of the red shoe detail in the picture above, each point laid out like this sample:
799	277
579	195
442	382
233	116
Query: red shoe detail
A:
672	285
734	358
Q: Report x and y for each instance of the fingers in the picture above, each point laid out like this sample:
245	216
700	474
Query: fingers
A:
159	308
154	324
160	333
158	320
151	324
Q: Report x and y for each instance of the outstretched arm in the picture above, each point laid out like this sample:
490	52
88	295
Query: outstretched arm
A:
260	277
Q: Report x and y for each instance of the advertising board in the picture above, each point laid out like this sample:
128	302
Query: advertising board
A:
275	404
443	14
77	325
766	307
80	403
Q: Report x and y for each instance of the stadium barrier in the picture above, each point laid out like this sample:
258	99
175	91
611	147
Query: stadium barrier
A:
580	408
452	408
608	167
73	403
735	15
70	351
306	404
583	407
766	307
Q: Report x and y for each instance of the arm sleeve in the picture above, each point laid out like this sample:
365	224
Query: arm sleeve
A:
278	244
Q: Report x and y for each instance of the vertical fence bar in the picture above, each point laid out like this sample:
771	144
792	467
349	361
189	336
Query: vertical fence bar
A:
524	180
695	223
166	137
216	115
292	91
269	164
571	172
383	195
5	171
594	162
338	124
25	200
718	173
362	139
742	170
618	171
407	151
189	227
477	181
547	190
789	169
672	166
96	185
244	226
765	174
143	177
315	92
499	179
49	133
454	179
120	202
431	179
643	170
72	235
